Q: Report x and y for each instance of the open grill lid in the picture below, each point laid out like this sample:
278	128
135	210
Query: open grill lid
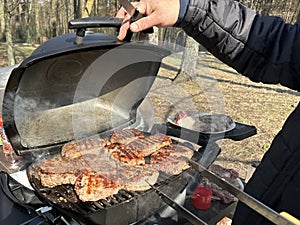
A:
65	90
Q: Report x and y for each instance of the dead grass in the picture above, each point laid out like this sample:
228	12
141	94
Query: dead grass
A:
264	106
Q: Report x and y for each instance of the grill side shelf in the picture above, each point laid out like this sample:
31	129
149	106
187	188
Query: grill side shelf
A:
240	132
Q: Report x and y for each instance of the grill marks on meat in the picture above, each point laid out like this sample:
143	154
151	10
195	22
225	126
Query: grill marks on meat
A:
126	136
103	165
94	186
98	168
79	148
138	178
171	159
57	171
123	154
147	146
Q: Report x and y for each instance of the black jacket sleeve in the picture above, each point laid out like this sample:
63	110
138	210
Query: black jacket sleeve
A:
263	48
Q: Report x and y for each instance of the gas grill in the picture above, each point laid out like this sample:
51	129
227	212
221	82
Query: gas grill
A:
65	91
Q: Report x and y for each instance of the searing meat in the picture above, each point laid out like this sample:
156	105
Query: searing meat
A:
171	165
126	136
58	170
171	159
123	154
99	168
75	149
104	164
148	145
177	150
138	178
94	186
52	173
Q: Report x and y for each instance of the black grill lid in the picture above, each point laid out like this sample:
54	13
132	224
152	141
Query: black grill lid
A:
64	91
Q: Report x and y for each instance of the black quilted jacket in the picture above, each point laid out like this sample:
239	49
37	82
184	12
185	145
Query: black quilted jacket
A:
265	49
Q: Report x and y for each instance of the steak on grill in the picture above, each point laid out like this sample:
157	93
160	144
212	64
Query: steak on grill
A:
126	136
94	186
124	155
75	149
148	145
138	178
98	168
57	171
171	159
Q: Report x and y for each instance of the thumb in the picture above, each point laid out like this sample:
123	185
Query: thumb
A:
143	23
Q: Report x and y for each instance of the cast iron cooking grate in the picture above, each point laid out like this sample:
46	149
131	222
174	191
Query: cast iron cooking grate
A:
125	207
65	196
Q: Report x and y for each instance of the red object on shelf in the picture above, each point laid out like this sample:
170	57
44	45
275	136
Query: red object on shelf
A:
7	148
201	198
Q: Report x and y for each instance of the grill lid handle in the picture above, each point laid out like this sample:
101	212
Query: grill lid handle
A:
82	24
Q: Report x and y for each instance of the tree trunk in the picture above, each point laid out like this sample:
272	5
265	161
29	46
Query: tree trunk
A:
88	8
53	20
79	8
2	22
189	61
35	9
8	35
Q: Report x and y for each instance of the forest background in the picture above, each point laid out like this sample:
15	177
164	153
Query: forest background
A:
36	21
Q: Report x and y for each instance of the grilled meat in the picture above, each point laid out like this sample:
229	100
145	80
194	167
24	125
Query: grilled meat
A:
148	145
103	164
98	168
224	172
126	136
58	170
52	173
177	150
94	186
138	178
124	155
75	149
171	159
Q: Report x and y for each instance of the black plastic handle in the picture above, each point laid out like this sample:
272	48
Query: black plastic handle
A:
82	24
94	22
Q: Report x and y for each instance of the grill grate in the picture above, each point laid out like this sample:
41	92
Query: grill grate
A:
124	207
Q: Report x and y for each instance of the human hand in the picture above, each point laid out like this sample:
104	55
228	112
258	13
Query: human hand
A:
157	13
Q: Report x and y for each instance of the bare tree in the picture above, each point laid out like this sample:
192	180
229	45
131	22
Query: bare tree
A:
189	61
88	8
2	21
36	21
8	10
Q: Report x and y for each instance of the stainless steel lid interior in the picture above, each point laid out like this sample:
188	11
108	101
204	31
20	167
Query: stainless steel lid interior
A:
83	91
